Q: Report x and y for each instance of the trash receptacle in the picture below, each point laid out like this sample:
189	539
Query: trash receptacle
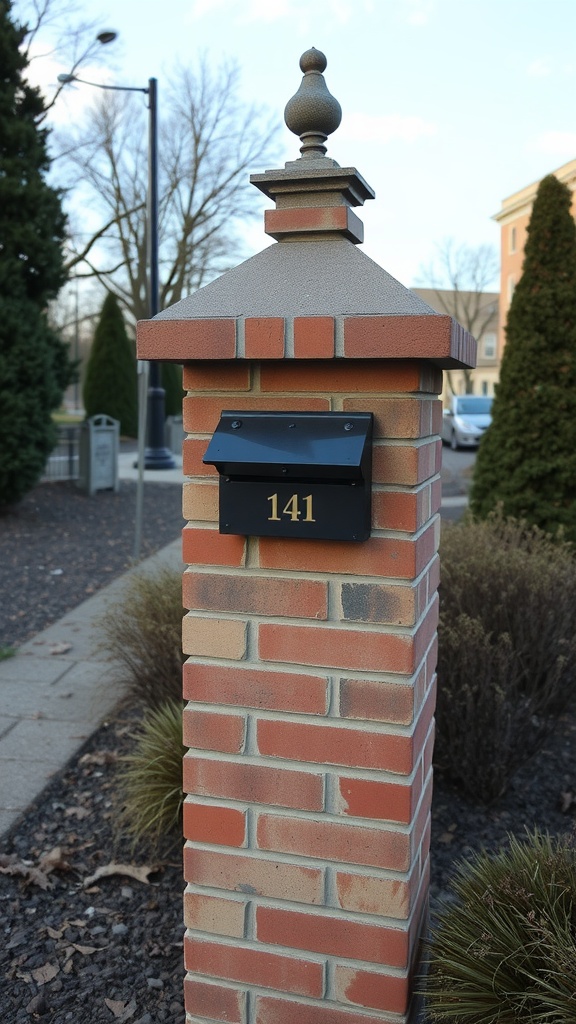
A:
99	445
174	434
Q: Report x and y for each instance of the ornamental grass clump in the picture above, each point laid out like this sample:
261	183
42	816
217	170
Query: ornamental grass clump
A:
143	634
507	649
150	778
504	948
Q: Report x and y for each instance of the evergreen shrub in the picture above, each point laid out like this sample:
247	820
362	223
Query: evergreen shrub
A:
34	366
503	948
111	382
506	650
526	460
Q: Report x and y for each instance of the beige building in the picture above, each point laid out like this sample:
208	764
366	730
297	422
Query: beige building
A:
513	219
478	313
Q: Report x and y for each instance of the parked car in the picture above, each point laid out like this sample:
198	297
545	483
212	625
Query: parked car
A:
465	420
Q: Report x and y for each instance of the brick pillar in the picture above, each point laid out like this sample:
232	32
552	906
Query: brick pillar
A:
311	663
310	685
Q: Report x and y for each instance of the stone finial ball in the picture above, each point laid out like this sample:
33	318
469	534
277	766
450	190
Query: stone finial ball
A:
313	60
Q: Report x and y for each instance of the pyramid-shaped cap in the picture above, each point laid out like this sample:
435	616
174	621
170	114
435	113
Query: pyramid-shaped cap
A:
313	293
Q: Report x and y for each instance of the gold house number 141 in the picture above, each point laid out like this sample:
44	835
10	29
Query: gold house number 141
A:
292	509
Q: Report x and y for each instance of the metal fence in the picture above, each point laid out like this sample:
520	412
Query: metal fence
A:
64	461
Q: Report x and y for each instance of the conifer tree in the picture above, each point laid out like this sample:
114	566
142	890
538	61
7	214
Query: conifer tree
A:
171	378
527	459
111	386
34	367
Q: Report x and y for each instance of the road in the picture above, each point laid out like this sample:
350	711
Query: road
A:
456	474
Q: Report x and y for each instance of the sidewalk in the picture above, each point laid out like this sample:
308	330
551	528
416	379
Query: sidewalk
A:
57	689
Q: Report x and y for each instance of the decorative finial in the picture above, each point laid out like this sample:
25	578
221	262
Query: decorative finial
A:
313	113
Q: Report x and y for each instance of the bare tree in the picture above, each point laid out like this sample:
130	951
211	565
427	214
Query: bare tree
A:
59	28
459	277
208	143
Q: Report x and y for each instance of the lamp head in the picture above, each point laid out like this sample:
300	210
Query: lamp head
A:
107	36
64	78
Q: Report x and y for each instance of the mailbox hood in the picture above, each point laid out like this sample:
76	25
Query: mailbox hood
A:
287	445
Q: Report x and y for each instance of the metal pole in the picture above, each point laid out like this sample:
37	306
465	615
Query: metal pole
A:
156	456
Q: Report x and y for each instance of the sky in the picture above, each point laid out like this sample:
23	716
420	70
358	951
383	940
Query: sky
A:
449	106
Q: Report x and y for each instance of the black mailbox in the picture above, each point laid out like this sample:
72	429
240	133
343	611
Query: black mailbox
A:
294	474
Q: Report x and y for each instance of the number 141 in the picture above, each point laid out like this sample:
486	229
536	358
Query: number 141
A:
292	509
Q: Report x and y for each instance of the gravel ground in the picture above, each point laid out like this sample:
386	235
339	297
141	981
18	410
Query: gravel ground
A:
92	930
59	546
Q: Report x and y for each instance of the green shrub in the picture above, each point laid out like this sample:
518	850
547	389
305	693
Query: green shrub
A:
151	778
504	948
110	386
526	458
143	633
507	648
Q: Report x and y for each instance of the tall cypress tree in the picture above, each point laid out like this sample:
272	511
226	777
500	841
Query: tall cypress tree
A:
527	458
111	385
34	367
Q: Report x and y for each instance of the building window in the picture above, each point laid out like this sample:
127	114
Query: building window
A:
484	387
512	239
489	346
511	285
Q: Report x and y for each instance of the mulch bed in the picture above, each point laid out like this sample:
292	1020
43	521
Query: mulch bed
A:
59	546
86	940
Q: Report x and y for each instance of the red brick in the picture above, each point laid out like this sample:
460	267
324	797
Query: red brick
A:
202	413
372	989
336	648
333	744
185	340
257	876
334	841
209	730
270	1010
344	376
394	510
313	337
210	823
373	894
216	376
193	451
422	818
378	556
214	1002
257	595
384	801
335	936
302	220
208	547
205	912
399	337
256	688
254	966
437	416
379	603
374	701
405	464
253	783
264	337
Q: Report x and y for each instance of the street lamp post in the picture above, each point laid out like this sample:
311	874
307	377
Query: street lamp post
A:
156	455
